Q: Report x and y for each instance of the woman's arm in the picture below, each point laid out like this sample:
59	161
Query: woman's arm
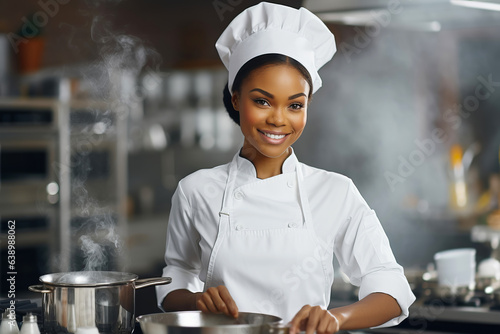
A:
373	310
180	300
182	253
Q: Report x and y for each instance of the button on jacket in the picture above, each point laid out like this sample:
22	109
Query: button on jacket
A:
320	213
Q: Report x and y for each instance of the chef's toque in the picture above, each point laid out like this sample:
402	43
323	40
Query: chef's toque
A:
271	28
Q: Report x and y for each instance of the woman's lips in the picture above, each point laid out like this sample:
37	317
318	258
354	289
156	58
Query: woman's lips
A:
274	138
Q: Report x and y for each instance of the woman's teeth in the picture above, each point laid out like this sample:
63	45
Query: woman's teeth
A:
270	135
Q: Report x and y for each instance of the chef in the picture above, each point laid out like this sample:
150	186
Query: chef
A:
259	234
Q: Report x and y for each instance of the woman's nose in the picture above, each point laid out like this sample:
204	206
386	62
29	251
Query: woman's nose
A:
276	117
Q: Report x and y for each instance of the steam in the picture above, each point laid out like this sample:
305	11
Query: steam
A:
96	227
93	252
110	78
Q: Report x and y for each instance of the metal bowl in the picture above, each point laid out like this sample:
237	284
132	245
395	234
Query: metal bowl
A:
196	322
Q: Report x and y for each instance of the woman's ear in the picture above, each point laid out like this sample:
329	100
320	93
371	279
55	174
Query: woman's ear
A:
235	101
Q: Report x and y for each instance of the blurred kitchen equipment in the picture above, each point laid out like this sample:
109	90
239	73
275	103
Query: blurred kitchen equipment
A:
342	288
496	298
9	323
195	322
456	268
464	183
493	218
416	279
489	267
458	190
29	57
104	299
5	64
30	325
454	295
146	199
488	276
87	330
5	60
433	290
154	138
482	233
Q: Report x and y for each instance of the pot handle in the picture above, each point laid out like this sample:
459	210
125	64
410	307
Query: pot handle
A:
39	288
142	283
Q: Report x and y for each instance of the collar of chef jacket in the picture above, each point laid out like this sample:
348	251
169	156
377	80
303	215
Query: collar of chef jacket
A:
247	170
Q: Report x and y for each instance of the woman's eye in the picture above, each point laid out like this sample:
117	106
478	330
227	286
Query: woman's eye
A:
262	102
296	106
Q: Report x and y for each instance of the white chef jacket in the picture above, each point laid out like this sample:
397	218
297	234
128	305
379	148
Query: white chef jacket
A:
341	218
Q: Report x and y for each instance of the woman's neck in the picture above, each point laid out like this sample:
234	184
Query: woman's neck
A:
265	167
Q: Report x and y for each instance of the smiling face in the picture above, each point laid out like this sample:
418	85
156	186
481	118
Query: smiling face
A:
272	103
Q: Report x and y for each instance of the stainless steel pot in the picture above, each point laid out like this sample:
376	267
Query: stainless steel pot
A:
196	322
102	299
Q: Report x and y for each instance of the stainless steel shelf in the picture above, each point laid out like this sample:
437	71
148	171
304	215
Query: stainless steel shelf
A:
62	138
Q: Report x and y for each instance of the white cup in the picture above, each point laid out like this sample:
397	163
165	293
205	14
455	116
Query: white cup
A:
456	267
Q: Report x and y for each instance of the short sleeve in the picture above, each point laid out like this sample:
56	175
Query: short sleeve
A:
182	254
365	256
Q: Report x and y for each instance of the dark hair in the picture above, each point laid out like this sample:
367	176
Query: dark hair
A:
253	64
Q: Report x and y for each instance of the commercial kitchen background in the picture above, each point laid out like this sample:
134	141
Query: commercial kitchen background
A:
407	87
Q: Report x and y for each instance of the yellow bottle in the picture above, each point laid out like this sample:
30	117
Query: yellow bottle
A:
458	185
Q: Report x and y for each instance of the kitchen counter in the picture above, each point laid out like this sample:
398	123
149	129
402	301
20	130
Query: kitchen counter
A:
437	311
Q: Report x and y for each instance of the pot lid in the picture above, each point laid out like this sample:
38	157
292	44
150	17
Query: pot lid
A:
88	278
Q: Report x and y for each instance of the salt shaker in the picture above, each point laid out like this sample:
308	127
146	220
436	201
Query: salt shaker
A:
9	323
30	325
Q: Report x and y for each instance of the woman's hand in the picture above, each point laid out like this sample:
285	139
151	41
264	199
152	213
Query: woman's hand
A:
314	319
217	300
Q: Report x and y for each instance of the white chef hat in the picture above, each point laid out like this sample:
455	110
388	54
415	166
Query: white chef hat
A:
271	28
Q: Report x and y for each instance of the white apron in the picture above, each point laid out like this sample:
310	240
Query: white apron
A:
271	263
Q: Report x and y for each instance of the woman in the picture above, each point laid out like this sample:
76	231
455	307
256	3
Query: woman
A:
259	234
